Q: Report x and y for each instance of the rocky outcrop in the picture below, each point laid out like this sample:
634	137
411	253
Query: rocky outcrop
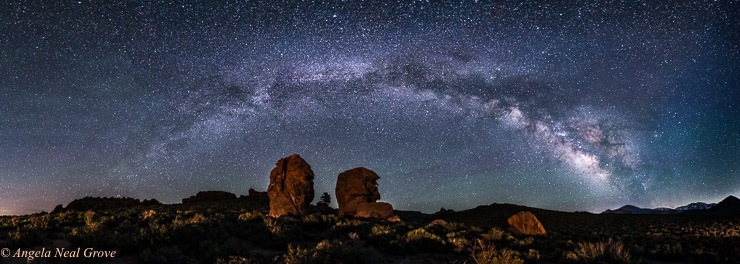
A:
58	209
209	196
356	193
526	223
256	196
103	203
291	187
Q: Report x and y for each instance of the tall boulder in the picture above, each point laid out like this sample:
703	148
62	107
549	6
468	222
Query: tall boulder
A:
291	187
526	223
356	193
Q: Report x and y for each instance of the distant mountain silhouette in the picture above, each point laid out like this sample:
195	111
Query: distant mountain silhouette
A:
695	206
629	209
728	206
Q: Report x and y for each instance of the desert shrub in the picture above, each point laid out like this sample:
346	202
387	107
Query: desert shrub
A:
533	255
494	234
250	216
312	219
361	227
274	226
164	255
486	253
421	234
382	236
147	214
525	242
317	222
295	254
332	252
381	231
182	221
91	224
40	222
460	244
668	251
21	237
65	219
420	239
611	251
235	260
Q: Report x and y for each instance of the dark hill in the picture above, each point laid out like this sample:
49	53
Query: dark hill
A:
728	206
630	209
412	216
498	214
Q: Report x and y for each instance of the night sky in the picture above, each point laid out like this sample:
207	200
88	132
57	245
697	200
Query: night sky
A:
585	106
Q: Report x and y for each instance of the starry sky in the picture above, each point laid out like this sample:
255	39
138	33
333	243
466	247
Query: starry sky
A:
581	106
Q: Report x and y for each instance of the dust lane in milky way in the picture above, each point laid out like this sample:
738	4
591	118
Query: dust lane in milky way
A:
584	106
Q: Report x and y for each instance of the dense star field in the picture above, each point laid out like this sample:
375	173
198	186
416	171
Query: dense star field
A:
585	106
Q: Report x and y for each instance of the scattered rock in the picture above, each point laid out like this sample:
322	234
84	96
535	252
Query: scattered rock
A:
394	218
291	187
209	196
438	222
526	223
356	193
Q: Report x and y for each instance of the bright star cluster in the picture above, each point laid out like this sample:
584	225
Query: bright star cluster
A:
566	106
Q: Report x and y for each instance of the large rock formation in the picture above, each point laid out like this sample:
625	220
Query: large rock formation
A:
356	193
291	187
526	223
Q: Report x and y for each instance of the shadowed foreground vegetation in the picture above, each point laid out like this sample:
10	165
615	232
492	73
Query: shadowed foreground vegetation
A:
240	232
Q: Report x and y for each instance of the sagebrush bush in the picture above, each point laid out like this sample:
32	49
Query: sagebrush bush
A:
40	222
381	231
24	237
494	234
486	253
250	216
611	251
90	222
147	214
332	252
421	234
